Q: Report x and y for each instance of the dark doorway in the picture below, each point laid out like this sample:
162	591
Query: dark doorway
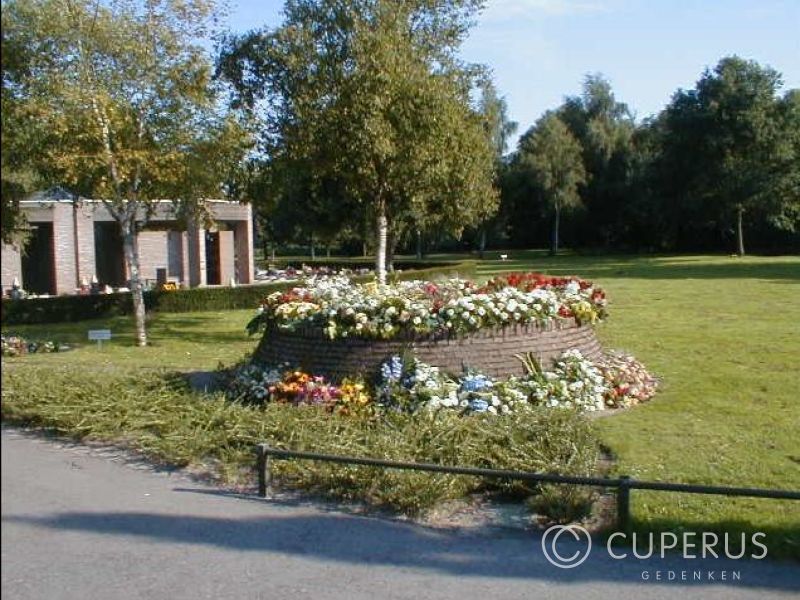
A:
108	256
212	258
38	260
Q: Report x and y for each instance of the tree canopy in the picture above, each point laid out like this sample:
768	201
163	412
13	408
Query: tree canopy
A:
123	93
720	160
727	139
551	156
369	99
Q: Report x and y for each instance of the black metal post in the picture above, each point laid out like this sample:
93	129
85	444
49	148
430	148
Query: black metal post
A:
261	469
624	504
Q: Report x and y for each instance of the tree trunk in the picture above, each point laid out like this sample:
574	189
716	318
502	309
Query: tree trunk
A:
327	250
391	246
739	231
382	227
130	246
554	243
419	245
482	243
273	253
313	249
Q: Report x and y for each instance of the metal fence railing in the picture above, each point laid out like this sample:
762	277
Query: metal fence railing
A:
265	454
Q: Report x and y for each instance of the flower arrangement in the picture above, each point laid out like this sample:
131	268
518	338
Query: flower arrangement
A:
453	306
297	387
18	346
273	274
626	380
410	386
253	384
574	382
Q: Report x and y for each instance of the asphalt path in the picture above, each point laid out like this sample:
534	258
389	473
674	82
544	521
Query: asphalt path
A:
87	524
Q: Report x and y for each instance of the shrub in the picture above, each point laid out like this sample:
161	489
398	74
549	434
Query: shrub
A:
163	419
563	503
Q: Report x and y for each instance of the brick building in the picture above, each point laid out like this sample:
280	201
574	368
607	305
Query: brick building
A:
73	241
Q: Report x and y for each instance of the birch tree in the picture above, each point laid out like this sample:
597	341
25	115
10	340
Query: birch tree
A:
371	94
551	155
124	89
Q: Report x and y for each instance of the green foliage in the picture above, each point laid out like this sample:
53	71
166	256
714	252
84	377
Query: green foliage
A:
550	154
723	157
366	109
22	138
164	420
726	137
123	91
785	213
499	127
531	365
563	503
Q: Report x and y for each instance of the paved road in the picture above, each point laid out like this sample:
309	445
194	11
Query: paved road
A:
78	525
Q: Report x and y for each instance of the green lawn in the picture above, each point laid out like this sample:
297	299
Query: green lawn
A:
722	333
195	341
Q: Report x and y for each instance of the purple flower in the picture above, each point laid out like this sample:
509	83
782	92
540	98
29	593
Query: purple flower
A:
478	405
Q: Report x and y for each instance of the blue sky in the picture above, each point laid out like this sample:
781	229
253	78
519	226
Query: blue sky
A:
540	50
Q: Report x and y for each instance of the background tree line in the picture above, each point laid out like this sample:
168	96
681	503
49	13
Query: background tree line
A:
717	170
355	126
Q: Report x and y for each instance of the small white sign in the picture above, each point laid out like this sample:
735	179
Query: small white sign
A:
99	334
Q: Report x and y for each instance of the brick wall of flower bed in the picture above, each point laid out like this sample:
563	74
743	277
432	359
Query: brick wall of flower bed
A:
490	351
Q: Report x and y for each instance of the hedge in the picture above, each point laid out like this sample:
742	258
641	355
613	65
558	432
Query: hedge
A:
77	308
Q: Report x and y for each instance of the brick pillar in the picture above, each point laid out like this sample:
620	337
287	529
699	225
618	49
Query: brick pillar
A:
243	236
64	248
226	257
197	255
83	218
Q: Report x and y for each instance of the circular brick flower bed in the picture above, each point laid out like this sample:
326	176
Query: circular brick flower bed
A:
491	351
